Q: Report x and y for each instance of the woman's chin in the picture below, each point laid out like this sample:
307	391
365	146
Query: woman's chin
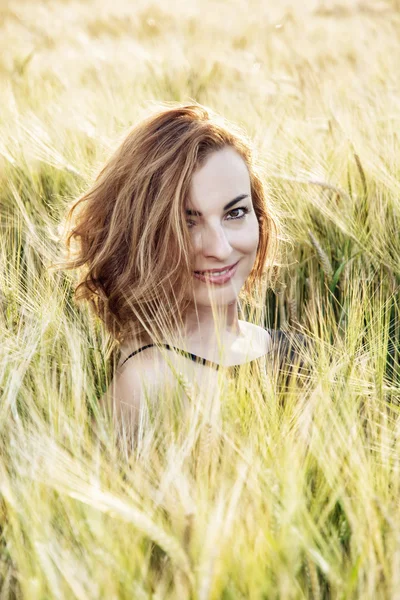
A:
206	294
219	297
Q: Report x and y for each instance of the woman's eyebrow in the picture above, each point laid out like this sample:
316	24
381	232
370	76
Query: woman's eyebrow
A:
196	213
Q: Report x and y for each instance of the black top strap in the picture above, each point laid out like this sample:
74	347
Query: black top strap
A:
286	345
190	355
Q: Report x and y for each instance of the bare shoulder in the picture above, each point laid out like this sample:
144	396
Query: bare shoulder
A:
136	382
147	369
131	346
259	334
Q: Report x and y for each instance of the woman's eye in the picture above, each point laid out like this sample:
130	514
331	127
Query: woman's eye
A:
235	214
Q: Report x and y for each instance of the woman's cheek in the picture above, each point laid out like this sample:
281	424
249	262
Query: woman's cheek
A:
250	236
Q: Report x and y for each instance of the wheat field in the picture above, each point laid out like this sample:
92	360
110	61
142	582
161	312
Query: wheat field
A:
257	493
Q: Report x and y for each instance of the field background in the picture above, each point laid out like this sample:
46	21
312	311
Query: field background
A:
249	497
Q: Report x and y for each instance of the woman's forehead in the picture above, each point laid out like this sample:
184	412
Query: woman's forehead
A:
223	176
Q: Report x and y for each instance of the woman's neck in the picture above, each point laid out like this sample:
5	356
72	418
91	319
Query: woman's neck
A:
202	330
206	327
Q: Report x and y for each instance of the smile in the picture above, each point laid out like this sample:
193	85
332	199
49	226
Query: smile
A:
218	277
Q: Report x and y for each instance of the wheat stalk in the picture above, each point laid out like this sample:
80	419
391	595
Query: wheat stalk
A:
323	257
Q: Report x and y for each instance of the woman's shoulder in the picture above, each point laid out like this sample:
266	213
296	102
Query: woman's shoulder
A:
131	347
259	336
281	340
142	376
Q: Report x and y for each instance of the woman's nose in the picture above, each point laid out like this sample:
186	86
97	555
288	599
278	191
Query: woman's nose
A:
214	242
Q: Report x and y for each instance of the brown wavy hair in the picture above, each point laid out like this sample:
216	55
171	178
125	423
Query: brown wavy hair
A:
128	235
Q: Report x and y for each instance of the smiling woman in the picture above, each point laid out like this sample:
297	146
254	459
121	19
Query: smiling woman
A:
225	239
175	230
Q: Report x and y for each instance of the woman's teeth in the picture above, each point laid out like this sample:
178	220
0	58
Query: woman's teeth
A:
214	273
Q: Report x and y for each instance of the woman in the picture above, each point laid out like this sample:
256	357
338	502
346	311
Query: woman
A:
176	230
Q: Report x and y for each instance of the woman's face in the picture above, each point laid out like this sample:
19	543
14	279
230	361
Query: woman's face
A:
223	226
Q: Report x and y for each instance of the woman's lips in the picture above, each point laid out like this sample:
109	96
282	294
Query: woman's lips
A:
216	278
